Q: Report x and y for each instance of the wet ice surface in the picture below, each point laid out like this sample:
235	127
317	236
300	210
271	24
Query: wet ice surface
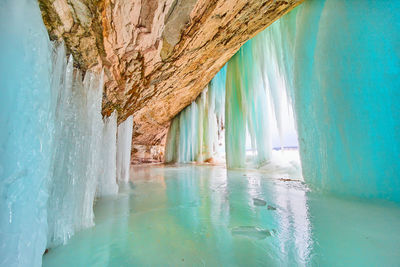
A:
205	216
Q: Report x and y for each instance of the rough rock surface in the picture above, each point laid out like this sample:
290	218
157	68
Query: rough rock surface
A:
147	154
157	55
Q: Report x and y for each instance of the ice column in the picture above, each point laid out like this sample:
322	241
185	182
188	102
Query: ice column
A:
216	102
172	143
235	120
56	151
124	146
77	151
196	133
259	98
339	63
108	178
247	107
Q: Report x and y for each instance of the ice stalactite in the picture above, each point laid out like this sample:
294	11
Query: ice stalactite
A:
246	110
183	138
235	133
338	65
83	159
196	134
216	102
56	150
124	146
268	52
172	143
259	115
108	179
255	109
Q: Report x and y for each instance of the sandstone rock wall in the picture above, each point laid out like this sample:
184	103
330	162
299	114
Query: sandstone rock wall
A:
147	154
157	55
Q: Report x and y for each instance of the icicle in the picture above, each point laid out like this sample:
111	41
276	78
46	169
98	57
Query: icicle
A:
337	86
124	146
108	181
235	121
77	157
196	133
246	110
172	144
59	115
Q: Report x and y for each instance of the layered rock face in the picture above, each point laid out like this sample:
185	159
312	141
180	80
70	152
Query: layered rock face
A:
157	55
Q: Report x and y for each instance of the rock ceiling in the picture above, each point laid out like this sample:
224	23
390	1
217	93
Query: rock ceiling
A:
157	55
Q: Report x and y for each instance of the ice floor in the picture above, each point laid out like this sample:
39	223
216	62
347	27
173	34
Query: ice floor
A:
195	215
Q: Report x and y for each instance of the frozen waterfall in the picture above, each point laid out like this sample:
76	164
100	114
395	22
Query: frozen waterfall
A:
57	152
76	150
197	132
84	153
329	69
340	64
243	114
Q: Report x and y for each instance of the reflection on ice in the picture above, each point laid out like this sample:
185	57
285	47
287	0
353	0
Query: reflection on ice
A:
205	215
294	227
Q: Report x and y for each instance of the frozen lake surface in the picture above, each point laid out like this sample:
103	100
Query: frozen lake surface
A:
192	215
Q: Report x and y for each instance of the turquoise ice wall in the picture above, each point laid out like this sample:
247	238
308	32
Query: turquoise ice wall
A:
347	95
25	133
341	65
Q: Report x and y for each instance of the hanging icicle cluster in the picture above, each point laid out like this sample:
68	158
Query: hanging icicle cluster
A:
85	158
259	100
58	153
343	86
246	110
76	158
341	60
254	108
196	134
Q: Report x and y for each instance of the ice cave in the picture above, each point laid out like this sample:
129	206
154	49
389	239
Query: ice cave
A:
199	133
